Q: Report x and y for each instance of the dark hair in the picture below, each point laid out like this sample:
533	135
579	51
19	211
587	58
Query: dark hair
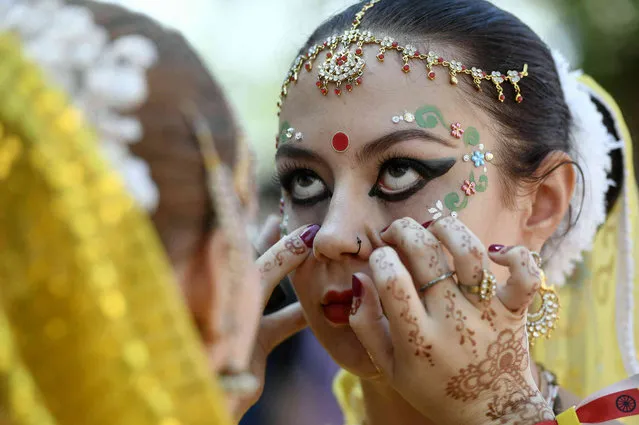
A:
480	34
184	215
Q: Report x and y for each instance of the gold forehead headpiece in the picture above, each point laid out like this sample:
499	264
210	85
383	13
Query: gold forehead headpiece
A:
344	65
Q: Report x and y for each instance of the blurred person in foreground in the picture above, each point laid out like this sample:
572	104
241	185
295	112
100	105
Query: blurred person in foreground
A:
126	195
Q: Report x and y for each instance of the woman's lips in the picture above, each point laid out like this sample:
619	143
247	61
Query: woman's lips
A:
337	306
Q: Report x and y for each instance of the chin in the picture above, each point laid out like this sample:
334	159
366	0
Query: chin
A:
342	345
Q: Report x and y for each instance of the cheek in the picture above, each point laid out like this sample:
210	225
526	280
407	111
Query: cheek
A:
493	222
299	216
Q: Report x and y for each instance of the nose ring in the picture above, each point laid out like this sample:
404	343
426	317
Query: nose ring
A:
359	245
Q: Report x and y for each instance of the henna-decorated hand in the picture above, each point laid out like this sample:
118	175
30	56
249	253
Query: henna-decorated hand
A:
274	265
455	358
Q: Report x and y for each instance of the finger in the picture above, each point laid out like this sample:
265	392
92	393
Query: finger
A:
406	315
281	325
283	257
469	254
423	254
269	234
246	319
525	276
370	325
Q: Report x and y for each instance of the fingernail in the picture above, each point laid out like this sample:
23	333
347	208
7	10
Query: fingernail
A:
427	223
357	287
495	248
308	236
385	229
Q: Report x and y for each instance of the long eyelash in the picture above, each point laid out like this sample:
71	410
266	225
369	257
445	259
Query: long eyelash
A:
284	173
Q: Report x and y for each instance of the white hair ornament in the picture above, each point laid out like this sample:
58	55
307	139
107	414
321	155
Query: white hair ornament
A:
105	80
591	146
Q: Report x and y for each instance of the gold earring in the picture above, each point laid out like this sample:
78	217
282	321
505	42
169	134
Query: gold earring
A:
543	321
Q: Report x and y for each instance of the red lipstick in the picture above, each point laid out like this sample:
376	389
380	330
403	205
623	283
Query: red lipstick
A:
337	306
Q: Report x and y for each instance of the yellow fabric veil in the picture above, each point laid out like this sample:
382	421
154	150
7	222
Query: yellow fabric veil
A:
585	351
93	329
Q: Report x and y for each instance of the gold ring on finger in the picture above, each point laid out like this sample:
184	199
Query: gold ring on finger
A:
486	289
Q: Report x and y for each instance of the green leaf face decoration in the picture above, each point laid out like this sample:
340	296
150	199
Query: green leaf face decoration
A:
281	138
453	203
471	136
428	116
287	134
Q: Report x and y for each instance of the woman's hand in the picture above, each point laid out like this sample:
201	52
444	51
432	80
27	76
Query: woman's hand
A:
455	358
282	258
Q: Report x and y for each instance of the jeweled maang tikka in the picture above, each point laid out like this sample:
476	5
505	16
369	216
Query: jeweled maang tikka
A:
344	65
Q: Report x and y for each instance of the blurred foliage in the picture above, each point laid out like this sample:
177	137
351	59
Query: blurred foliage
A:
607	32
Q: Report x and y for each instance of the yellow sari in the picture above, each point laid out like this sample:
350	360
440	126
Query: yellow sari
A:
93	329
583	351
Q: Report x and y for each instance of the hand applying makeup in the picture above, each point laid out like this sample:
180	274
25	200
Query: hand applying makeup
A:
442	347
282	258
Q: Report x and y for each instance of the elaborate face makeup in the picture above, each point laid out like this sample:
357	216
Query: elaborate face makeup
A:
429	116
415	148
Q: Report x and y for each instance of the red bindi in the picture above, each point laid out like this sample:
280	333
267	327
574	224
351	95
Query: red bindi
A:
340	142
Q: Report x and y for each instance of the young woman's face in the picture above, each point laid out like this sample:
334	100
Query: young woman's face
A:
390	170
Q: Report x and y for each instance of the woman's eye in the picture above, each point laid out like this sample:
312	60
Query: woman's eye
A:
306	186
397	178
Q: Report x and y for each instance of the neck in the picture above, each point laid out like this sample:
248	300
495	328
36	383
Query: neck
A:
384	405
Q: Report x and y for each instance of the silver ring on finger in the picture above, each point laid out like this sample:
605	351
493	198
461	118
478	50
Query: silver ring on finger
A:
436	281
486	289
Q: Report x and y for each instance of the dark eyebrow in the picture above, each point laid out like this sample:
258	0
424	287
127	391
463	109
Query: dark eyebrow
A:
384	142
295	151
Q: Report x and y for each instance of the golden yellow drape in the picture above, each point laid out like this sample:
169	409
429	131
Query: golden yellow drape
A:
93	329
583	351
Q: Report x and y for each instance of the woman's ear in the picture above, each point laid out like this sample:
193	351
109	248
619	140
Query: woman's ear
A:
550	198
204	297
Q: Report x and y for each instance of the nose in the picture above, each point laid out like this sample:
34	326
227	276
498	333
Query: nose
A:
345	232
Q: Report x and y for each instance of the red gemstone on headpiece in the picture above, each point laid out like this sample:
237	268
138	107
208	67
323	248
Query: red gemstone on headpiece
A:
340	62
329	55
502	97
406	68
417	53
463	67
519	98
358	81
318	83
325	43
291	78
380	57
358	51
340	142
483	74
431	75
440	59
338	91
349	87
307	66
324	91
395	44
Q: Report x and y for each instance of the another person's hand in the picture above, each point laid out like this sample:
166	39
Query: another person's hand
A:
274	265
455	357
